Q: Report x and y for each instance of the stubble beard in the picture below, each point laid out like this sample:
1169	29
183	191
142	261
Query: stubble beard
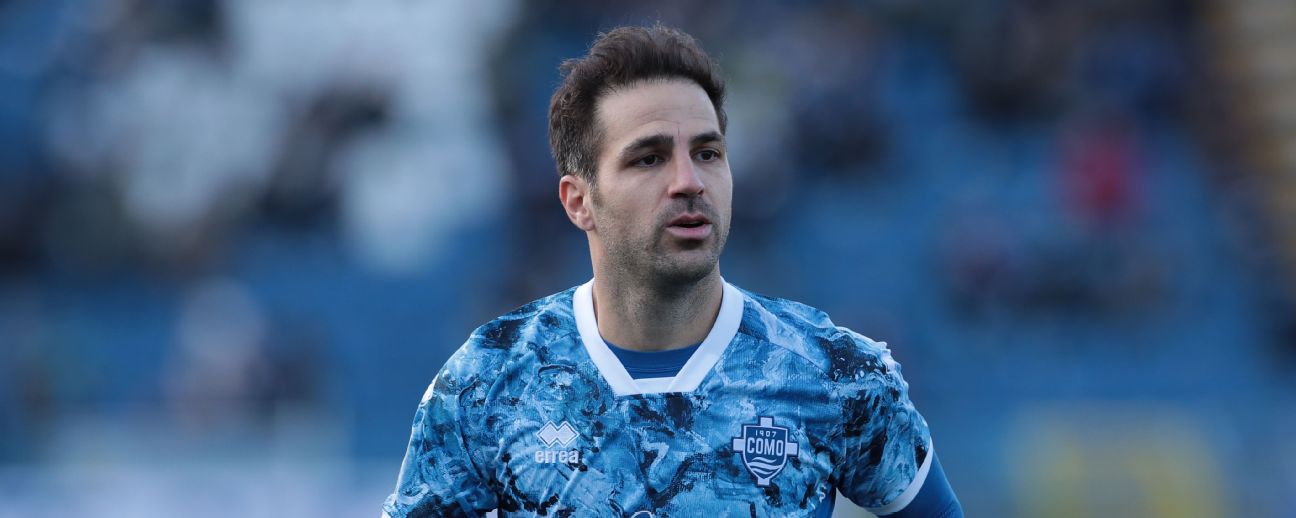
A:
648	259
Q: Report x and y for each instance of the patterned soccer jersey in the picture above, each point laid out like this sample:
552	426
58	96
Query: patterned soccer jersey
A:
535	416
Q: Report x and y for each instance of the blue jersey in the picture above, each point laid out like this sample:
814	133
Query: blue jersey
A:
776	409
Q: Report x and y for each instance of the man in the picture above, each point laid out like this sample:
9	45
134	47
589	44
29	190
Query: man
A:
657	389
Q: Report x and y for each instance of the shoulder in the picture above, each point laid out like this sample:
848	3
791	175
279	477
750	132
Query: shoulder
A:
513	336
840	353
537	321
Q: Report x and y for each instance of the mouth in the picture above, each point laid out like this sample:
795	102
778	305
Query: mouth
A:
690	226
689	221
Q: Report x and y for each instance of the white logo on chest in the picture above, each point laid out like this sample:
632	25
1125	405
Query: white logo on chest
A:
765	449
562	436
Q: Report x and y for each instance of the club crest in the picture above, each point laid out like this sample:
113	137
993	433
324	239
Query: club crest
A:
765	449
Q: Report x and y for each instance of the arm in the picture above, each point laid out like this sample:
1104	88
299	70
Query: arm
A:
440	476
888	464
935	498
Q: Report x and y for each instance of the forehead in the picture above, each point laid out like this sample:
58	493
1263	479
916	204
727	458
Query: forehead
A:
674	107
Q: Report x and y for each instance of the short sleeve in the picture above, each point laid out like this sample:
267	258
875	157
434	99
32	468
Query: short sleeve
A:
885	442
439	476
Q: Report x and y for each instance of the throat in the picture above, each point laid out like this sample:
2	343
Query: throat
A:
657	320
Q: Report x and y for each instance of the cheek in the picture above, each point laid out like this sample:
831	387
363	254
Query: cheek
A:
722	190
610	211
628	217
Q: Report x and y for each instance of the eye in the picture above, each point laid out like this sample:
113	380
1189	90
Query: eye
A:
707	155
648	161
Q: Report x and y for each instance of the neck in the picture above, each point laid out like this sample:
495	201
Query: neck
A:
656	318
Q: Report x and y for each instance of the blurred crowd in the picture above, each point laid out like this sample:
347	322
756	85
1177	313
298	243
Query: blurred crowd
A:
218	217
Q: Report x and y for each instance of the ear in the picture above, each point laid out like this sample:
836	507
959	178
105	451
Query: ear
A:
574	192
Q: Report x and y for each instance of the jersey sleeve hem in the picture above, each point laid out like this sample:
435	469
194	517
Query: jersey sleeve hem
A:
911	491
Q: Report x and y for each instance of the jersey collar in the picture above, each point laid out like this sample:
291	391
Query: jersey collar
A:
689	377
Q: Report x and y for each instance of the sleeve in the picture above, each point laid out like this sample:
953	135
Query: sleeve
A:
935	499
886	448
440	476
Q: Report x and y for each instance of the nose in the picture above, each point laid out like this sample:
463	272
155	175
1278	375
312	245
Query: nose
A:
685	181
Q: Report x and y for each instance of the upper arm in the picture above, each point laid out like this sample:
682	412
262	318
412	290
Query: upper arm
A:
441	474
886	446
934	499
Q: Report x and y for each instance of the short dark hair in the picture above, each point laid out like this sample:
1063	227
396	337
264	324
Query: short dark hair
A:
618	58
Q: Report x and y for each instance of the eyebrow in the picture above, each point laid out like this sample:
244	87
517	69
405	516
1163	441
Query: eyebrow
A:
664	141
706	138
658	141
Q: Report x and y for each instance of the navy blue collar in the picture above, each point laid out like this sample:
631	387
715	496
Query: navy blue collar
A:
652	364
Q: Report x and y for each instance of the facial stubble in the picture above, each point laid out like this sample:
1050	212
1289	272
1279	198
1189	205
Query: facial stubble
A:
645	255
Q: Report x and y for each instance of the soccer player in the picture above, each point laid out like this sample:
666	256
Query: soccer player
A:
657	389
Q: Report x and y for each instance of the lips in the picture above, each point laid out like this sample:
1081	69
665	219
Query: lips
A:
690	226
689	221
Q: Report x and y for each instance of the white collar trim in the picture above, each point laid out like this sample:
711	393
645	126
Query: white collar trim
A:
689	377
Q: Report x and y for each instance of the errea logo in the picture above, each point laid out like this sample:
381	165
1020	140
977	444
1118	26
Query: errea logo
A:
562	435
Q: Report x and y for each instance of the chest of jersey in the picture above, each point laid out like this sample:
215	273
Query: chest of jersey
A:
568	447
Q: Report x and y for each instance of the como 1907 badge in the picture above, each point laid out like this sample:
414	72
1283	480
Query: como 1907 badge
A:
765	449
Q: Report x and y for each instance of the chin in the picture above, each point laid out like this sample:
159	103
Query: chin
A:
686	270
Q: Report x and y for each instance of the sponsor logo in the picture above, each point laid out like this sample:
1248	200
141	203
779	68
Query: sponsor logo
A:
765	449
560	436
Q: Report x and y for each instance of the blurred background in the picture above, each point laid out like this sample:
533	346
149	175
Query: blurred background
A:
238	238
